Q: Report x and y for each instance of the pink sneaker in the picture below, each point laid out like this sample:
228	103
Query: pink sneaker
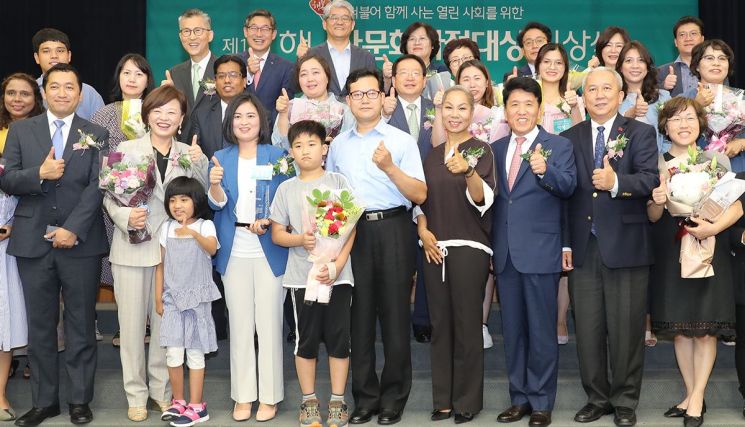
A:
191	416
177	408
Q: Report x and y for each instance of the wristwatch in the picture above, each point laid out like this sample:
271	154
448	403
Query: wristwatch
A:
469	171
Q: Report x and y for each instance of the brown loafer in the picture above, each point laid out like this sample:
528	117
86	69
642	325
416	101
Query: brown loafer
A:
540	418
514	413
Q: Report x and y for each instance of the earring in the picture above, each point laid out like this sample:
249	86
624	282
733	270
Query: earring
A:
179	130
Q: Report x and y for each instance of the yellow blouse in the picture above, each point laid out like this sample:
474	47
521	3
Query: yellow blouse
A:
3	135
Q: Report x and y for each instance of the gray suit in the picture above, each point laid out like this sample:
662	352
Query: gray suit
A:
72	202
361	58
181	76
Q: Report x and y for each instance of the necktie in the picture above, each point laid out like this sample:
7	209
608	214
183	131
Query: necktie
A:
599	148
257	76
413	121
516	159
57	142
195	80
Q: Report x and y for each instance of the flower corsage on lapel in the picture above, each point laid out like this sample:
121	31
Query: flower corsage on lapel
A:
284	166
208	85
182	160
472	155
430	116
614	147
86	142
528	154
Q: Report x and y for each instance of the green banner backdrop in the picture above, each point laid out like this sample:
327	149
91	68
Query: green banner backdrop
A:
379	24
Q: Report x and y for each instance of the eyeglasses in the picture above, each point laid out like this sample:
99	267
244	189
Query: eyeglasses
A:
358	94
689	34
712	58
462	59
406	73
344	19
259	30
233	75
678	120
540	41
417	40
198	31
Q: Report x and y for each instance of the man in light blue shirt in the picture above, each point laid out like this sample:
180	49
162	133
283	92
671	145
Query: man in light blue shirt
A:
383	166
52	46
676	77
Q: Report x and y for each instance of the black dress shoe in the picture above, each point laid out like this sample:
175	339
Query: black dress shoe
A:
540	418
36	416
388	417
422	333
464	417
674	412
440	415
590	413
80	413
624	416
362	415
689	421
513	413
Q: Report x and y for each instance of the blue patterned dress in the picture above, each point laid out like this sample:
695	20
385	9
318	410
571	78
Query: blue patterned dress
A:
13	327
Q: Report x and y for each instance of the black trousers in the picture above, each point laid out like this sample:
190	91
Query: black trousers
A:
740	346
78	279
457	349
383	266
610	307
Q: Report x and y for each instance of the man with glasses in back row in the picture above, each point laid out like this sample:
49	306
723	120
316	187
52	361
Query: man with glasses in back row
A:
530	39
677	76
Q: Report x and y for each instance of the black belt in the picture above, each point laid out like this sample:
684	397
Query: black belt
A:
248	224
383	214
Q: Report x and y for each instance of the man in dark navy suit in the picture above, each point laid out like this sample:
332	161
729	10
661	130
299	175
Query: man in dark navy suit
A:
526	237
530	39
608	243
408	111
268	73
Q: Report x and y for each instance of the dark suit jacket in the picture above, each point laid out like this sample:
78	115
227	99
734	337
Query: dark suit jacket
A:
663	71
738	252
527	220
622	226
181	75
206	124
522	71
278	73
72	202
361	58
399	121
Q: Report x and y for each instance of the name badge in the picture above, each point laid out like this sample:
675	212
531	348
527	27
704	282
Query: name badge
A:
560	125
262	172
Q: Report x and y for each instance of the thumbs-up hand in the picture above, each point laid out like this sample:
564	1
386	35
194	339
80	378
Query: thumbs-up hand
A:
216	172
537	161
195	151
605	178
283	102
671	80
514	73
594	62
253	63
390	102
457	164
168	80
309	241
659	194
302	47
382	158
51	168
705	96
387	67
640	106
570	97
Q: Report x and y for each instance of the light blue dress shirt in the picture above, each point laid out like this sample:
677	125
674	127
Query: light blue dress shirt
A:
688	80
351	154
342	63
663	145
90	103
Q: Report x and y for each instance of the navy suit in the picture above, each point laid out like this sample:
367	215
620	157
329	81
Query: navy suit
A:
361	58
526	238
181	76
206	124
420	316
608	286
276	75
522	71
72	202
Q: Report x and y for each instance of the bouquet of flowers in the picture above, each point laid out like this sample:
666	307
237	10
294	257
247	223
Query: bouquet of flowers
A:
132	125
129	179
725	117
488	124
329	114
331	215
700	185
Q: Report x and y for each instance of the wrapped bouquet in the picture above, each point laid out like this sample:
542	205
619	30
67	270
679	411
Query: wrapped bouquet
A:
329	114
331	215
129	179
725	117
132	125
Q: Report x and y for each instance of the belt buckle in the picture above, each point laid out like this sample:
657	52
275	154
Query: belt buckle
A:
373	216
